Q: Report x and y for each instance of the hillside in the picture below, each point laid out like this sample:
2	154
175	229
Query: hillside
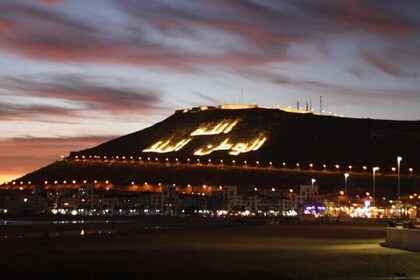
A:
290	137
224	139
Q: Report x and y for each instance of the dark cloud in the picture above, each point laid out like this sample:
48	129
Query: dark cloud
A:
84	93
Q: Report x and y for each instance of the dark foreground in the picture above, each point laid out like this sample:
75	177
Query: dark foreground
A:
191	248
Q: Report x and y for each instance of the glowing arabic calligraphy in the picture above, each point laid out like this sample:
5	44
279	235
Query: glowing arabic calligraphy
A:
221	127
166	147
234	149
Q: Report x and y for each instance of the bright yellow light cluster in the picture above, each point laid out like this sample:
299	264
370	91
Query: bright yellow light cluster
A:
221	127
233	148
167	146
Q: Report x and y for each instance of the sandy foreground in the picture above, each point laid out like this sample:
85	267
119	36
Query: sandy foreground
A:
189	248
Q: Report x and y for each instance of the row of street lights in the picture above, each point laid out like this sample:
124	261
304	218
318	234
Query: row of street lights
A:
374	169
337	167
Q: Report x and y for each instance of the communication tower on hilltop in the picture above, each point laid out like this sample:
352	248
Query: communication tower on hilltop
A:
320	104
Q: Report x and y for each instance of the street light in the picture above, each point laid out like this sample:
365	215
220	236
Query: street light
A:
346	175
399	163
312	186
374	169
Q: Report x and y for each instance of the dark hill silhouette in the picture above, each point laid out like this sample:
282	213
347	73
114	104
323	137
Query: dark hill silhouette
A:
289	137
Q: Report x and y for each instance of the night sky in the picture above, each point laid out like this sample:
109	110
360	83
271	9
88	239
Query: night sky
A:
76	73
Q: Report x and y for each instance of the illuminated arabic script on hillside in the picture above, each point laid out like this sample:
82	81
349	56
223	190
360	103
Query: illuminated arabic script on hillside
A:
223	127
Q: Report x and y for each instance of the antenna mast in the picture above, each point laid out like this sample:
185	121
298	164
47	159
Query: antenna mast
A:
320	104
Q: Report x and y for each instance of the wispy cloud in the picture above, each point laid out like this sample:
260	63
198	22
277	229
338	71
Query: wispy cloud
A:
360	15
86	93
232	34
48	113
384	65
212	100
353	95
